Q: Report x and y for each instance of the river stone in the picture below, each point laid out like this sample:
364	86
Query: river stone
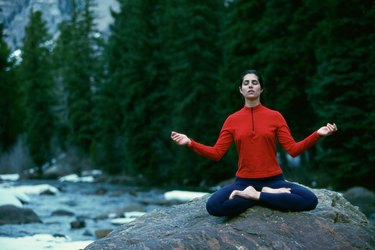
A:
100	233
62	212
10	214
79	223
334	224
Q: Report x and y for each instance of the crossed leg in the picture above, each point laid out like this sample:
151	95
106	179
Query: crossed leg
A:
251	193
279	194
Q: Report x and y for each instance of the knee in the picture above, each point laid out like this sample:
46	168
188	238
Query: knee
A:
314	202
213	209
311	203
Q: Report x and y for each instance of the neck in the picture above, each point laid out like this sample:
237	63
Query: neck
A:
252	103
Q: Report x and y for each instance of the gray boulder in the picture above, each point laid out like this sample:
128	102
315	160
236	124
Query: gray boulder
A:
363	198
334	224
10	214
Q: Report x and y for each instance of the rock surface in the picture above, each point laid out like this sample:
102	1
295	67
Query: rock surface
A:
10	214
14	14
334	224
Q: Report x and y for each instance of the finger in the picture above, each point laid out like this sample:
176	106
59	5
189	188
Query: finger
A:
176	136
334	128
331	127
176	139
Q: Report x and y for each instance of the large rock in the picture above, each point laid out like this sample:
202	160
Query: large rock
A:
363	198
10	214
334	224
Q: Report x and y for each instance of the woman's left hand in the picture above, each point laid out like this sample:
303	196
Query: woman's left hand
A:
327	130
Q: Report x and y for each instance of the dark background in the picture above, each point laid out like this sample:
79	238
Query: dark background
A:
111	104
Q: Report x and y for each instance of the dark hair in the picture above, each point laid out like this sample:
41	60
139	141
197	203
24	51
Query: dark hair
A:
252	71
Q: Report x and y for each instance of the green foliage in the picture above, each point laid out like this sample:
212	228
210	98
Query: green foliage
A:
193	58
10	109
137	89
38	89
77	67
342	91
175	65
110	98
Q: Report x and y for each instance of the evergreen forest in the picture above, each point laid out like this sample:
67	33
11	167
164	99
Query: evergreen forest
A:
111	102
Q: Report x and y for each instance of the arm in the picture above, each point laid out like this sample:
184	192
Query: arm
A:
294	148
214	153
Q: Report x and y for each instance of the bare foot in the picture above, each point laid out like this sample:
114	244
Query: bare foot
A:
247	193
275	190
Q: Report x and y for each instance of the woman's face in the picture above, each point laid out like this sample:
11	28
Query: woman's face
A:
251	88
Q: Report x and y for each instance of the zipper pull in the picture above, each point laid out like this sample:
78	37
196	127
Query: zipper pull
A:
252	134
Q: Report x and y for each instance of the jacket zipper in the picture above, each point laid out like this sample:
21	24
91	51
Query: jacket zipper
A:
252	121
252	117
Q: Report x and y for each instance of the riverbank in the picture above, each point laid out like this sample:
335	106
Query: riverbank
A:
76	211
74	214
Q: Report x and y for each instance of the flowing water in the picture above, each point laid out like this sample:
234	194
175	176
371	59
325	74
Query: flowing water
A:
90	202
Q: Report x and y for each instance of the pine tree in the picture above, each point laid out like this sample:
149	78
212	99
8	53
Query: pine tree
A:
60	57
38	88
136	89
76	53
193	57
110	98
10	109
342	90
109	101
239	29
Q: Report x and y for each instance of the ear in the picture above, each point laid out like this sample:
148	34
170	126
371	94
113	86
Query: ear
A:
240	89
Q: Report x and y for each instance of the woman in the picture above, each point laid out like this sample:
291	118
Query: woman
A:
259	178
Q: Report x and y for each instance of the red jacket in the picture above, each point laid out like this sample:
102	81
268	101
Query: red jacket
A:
254	131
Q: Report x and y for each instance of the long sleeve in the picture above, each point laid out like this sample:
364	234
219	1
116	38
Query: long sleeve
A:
287	141
217	151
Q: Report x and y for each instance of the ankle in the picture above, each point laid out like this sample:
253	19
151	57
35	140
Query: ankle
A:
257	195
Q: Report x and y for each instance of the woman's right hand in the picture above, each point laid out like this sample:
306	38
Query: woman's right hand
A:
180	139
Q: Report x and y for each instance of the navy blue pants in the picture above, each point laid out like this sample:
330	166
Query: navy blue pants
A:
299	198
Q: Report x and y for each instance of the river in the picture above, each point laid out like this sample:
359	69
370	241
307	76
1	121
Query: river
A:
97	204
